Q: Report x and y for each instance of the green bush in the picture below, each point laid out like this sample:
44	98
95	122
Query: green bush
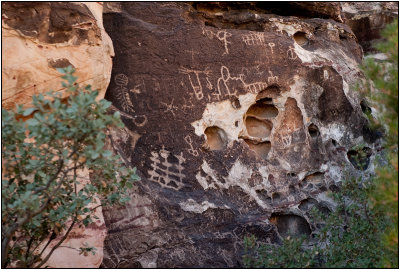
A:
384	92
362	232
348	238
41	202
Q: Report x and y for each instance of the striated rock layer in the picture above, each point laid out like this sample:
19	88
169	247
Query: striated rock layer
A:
238	120
38	37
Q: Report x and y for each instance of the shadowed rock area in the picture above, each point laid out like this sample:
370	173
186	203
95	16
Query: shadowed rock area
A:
238	116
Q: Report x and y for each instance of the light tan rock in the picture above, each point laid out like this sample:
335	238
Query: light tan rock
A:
35	45
69	255
37	39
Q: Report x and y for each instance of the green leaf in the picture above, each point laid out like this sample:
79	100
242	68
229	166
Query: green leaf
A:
28	111
32	122
61	70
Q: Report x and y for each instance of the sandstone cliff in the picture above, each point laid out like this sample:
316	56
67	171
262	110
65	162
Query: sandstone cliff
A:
239	116
37	38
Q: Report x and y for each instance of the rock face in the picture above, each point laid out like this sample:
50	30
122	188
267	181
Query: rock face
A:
238	118
37	38
68	255
367	19
40	37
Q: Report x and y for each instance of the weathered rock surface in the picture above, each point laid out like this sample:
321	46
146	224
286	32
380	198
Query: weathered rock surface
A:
238	120
38	37
367	19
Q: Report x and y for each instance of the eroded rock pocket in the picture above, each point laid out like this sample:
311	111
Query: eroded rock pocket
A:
216	138
290	225
301	38
258	128
262	149
360	158
258	122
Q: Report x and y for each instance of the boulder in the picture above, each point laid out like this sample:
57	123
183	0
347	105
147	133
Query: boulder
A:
238	120
40	37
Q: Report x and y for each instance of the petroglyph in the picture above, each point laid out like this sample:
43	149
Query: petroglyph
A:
192	53
170	107
222	85
165	173
254	87
224	88
195	82
271	78
121	80
254	38
220	35
271	46
291	53
285	140
191	150
138	120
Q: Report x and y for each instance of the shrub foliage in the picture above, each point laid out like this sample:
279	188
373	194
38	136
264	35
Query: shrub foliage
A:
42	196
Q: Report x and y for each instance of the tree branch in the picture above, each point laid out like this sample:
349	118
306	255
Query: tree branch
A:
58	244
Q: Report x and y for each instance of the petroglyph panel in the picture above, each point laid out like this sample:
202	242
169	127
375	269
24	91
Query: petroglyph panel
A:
167	173
231	118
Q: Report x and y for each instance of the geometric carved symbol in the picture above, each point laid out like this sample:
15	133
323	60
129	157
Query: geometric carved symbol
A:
121	80
163	172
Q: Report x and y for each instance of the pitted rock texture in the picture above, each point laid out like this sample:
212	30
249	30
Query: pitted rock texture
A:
39	37
238	120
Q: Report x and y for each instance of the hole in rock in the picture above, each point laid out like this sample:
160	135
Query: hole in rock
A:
334	188
307	204
290	225
216	138
300	38
313	180
263	195
263	111
292	174
292	190
276	196
262	148
360	158
236	123
313	130
235	103
258	128
270	92
266	100
334	142
365	108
